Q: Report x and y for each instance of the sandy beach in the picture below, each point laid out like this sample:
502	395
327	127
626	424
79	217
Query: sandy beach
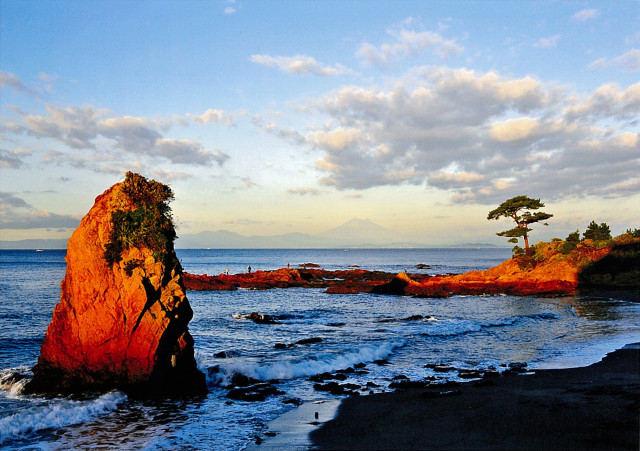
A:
595	407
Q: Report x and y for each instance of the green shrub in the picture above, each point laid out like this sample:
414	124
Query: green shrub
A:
635	233
571	242
149	225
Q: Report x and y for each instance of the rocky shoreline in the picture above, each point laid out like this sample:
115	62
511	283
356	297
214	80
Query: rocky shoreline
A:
349	281
594	407
549	271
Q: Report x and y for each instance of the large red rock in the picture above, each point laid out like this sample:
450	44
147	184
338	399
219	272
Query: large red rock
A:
121	325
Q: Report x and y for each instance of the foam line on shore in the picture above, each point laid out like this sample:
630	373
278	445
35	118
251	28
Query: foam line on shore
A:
292	428
550	409
587	355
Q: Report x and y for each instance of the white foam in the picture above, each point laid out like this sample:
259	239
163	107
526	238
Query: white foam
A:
56	413
588	354
10	385
312	364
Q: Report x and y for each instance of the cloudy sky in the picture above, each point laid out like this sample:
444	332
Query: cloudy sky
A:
269	117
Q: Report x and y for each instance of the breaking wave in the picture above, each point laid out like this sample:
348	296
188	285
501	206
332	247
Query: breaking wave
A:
12	382
56	414
310	365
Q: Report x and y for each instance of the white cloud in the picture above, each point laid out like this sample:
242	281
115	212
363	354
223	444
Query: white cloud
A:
482	136
301	65
629	61
16	213
627	139
513	129
406	44
160	174
13	159
335	139
550	42
182	151
304	191
88	131
459	179
607	101
212	116
586	14
9	80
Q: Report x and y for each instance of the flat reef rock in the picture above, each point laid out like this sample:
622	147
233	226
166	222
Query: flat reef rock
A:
121	324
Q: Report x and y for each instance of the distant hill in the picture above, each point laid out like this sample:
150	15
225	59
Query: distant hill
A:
473	245
224	239
359	230
354	233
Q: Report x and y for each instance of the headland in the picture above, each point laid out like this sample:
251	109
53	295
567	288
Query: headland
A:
551	269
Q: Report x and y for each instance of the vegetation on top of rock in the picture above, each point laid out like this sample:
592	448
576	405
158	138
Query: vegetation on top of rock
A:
597	232
149	225
635	233
619	268
512	208
571	242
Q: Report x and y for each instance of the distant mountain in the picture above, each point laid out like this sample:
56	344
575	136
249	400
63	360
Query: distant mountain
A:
362	231
357	232
354	233
474	245
223	239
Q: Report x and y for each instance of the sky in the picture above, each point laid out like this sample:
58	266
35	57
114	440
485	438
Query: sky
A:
271	117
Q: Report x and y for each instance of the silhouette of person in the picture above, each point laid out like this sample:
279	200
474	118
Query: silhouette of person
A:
249	268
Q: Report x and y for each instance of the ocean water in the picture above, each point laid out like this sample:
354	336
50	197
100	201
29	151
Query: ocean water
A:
464	331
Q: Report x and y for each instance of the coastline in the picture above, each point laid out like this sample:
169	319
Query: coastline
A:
592	407
291	430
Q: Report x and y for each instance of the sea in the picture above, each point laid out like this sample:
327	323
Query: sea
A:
468	332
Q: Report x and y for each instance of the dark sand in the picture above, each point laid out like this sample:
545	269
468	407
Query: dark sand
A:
596	407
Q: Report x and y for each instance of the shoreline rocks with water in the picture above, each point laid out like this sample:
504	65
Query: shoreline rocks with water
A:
548	271
594	407
340	281
121	324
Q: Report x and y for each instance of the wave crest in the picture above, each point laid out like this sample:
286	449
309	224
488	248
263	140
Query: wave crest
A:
56	414
310	365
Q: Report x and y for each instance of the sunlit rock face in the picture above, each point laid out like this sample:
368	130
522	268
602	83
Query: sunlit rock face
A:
121	322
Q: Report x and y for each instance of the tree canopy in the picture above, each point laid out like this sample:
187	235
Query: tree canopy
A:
597	232
518	208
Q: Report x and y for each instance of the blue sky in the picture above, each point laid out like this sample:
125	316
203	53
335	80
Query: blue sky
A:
269	117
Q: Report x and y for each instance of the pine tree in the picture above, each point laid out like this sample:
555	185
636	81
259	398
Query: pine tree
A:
517	208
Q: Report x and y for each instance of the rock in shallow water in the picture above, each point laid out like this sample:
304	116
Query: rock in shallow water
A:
121	322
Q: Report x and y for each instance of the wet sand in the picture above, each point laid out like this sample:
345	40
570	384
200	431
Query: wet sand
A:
595	407
290	431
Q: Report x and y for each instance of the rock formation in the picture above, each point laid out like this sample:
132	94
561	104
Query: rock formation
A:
551	270
340	281
548	272
122	317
